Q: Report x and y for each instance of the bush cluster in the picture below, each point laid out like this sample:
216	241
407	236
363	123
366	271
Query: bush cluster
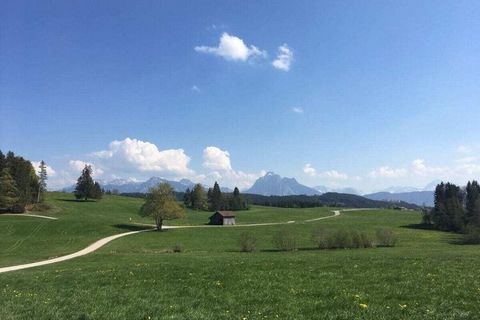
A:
286	239
248	242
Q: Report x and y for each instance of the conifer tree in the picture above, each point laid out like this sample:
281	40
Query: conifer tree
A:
8	190
42	182
85	185
237	200
187	199
199	198
216	200
472	214
97	191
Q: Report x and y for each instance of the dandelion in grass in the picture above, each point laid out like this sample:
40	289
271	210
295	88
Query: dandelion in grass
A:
402	306
363	305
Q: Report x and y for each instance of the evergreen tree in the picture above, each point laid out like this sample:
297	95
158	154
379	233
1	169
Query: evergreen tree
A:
237	200
85	185
42	182
187	199
199	198
454	205
472	214
216	200
3	161
97	191
439	212
25	177
8	190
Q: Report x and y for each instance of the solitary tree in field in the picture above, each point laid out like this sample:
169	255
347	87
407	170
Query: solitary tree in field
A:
85	185
161	204
42	181
8	190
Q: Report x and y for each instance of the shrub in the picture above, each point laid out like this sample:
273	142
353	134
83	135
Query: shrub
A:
342	240
41	207
178	247
248	242
386	238
472	235
361	240
18	208
322	239
285	240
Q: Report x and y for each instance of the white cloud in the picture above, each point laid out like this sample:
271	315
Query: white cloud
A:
232	48
387	172
309	170
334	174
464	149
284	58
420	168
136	155
195	89
297	109
77	166
330	174
50	171
218	162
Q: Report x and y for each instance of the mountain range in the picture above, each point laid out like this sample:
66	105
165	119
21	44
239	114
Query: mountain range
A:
130	186
272	184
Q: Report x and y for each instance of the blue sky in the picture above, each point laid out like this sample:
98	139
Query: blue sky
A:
365	94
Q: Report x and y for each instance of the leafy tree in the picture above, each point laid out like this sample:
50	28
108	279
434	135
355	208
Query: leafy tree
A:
8	190
85	185
25	177
42	182
160	204
215	201
199	198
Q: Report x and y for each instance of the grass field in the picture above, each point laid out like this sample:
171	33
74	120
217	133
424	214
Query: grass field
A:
426	276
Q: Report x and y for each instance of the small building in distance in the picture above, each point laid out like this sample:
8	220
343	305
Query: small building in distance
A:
222	218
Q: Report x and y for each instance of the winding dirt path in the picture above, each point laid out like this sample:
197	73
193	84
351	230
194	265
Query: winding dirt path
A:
28	215
100	243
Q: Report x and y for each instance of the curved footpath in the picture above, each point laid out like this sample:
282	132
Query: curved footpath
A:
28	215
100	243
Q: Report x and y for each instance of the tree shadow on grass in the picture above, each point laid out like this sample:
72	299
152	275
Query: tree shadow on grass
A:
76	200
132	227
419	226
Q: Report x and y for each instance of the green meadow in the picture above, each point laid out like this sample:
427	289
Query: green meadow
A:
427	275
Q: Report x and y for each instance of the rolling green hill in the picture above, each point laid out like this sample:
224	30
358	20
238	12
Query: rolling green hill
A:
426	276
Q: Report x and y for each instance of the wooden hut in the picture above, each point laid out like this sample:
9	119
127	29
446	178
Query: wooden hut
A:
223	218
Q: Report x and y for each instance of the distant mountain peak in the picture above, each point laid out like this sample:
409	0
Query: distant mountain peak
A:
273	184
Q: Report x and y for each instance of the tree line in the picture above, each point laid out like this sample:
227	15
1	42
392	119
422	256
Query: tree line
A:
455	209
213	199
19	184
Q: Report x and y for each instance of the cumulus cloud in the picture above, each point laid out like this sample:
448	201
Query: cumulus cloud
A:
195	89
387	172
50	171
136	155
217	161
420	168
334	174
330	174
309	170
284	58
297	109
232	48
77	166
